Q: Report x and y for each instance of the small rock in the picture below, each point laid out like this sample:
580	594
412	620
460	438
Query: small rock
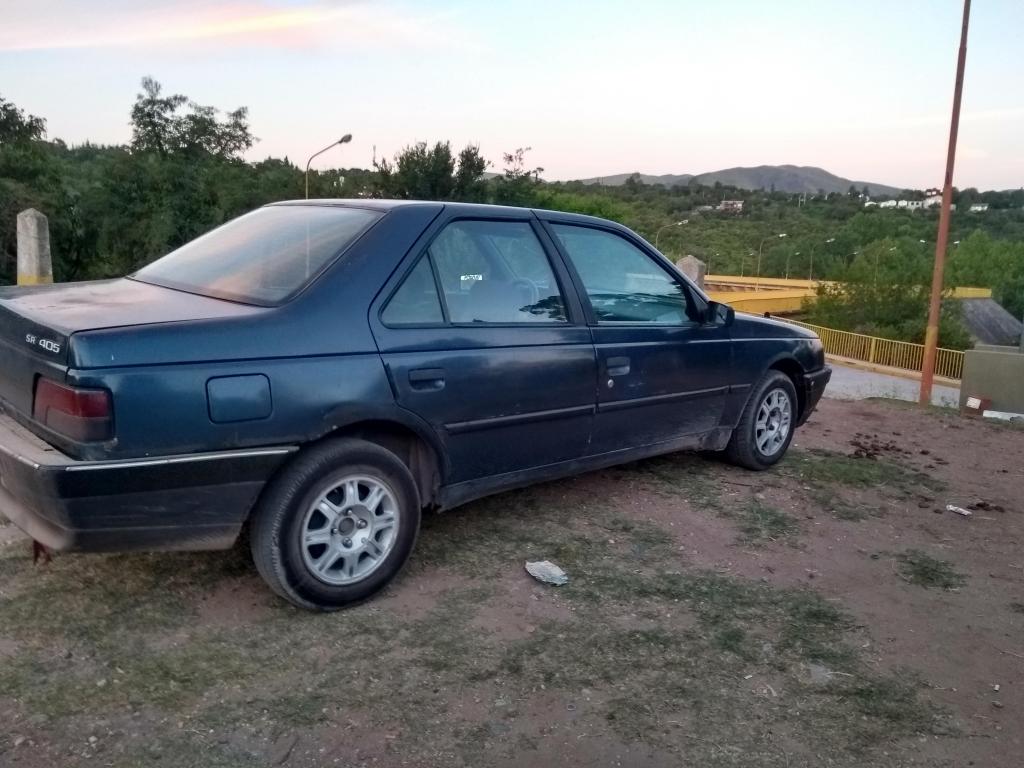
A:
19	740
997	704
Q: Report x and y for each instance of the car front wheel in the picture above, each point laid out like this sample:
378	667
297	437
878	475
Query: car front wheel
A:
766	425
336	525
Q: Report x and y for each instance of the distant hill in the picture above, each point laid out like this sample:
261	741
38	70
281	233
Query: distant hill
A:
667	179
784	178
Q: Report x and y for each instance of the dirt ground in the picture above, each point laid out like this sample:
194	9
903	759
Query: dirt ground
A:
827	613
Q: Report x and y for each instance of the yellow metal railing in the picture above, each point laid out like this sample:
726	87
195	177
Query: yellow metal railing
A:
752	282
949	363
780	302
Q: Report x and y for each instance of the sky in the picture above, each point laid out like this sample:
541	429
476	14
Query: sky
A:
862	89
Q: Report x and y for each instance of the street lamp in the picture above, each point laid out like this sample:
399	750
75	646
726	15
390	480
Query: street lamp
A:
810	273
343	140
743	262
787	262
757	281
666	226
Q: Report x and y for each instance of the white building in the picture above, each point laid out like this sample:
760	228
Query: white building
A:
978	207
731	206
887	204
932	200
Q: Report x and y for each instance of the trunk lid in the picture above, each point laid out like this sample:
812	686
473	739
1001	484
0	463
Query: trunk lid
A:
37	324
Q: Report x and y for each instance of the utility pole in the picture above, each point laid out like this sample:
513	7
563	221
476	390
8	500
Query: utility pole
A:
931	336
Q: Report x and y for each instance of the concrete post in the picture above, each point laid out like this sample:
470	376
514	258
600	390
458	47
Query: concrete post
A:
34	264
693	268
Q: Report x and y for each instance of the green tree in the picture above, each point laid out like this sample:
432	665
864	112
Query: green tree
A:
518	185
16	127
422	172
158	127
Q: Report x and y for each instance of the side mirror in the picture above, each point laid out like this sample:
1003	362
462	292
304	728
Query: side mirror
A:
719	314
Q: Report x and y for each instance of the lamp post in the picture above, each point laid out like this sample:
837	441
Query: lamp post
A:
810	273
666	226
757	281
788	254
343	140
743	263
891	250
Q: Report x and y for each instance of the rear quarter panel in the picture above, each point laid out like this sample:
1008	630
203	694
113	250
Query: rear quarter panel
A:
317	353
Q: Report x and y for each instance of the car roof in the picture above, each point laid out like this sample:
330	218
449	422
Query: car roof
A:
468	209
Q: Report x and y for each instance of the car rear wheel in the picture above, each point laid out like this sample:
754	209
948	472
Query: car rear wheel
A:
336	525
766	426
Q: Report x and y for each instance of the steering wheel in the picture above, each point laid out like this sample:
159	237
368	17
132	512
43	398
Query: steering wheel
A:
529	289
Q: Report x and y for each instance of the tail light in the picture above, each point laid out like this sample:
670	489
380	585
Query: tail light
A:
83	415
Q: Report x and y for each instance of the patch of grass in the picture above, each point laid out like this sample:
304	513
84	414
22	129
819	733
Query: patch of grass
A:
169	679
731	640
826	468
887	706
926	571
892	699
92	597
500	532
1017	607
682	474
691	477
831	501
759	522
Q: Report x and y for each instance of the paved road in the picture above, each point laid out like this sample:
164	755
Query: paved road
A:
856	384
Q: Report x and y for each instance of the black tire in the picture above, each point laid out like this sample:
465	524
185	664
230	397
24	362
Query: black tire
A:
743	449
279	522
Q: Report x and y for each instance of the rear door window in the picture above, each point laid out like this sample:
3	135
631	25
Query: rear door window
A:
496	272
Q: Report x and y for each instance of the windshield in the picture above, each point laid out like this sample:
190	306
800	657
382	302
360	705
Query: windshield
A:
264	257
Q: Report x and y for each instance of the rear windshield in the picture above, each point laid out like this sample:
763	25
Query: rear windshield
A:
264	257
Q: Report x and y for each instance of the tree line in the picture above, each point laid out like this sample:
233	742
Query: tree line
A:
115	208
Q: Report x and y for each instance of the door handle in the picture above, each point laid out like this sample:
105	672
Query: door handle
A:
426	378
617	366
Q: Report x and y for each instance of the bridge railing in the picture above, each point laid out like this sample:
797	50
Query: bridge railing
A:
949	363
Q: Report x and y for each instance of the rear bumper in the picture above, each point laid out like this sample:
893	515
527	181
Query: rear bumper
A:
814	388
197	501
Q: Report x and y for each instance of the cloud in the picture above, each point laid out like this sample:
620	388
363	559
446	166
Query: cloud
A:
275	24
